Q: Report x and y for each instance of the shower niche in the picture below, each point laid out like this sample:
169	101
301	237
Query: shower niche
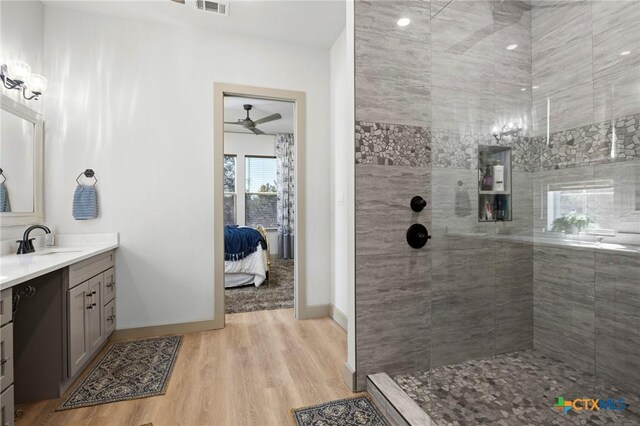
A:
494	183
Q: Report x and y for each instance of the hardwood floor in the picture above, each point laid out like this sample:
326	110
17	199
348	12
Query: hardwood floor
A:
250	373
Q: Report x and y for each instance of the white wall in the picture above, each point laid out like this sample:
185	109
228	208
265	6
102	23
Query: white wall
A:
134	101
342	177
22	39
341	141
241	145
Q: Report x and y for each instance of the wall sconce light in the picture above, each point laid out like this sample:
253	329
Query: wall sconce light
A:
16	75
510	129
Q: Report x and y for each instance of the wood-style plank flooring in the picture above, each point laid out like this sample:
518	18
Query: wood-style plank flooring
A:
250	373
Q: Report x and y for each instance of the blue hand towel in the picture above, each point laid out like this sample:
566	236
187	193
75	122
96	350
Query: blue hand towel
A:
5	205
85	202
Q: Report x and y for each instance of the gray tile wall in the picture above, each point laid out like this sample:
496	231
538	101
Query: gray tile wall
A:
578	66
584	307
393	158
587	311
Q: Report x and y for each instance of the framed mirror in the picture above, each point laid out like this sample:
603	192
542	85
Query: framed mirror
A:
21	161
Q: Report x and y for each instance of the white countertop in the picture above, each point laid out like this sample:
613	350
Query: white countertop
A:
16	269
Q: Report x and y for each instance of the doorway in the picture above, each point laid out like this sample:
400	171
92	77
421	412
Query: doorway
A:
259	164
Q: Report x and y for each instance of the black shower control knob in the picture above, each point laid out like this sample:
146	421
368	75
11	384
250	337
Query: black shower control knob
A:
417	236
418	203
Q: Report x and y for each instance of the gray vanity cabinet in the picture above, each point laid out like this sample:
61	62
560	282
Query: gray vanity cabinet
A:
6	359
78	324
89	309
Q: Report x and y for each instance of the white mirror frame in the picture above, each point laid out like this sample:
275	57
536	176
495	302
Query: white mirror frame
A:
37	216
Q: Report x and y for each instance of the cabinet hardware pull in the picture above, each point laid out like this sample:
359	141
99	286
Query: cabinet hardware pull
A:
93	292
93	304
89	307
3	361
88	295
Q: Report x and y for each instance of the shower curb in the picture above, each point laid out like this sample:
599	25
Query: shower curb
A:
395	403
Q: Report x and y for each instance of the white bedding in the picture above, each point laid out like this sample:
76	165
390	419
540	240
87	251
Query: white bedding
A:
255	263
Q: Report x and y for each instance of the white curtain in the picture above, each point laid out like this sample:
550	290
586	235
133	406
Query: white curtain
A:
286	194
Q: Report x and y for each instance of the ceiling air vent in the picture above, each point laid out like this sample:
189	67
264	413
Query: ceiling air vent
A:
219	7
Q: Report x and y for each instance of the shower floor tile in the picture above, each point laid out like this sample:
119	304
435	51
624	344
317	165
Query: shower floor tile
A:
518	388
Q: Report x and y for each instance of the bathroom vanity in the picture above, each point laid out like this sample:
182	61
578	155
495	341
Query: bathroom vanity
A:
57	310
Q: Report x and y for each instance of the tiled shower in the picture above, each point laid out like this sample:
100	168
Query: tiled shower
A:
556	86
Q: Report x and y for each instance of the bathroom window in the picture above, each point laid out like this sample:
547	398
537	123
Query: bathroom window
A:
261	196
230	194
574	207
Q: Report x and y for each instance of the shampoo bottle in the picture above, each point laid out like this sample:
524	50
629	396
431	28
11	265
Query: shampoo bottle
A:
498	177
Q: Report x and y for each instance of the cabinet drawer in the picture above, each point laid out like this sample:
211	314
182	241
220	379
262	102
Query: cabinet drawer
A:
82	271
7	410
6	356
5	306
109	292
109	318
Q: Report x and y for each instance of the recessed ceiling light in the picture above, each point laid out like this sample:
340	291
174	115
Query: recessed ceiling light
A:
625	53
512	46
535	87
523	89
403	22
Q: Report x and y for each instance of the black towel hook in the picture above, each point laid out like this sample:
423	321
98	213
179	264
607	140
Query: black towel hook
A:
4	178
89	173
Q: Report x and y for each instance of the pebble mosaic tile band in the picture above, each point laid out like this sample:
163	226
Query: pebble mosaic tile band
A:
519	388
392	144
459	150
589	145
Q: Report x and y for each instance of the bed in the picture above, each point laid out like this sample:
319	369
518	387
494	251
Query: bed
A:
241	267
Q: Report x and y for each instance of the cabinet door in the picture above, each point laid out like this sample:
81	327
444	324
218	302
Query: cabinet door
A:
109	291
96	327
109	318
79	306
5	306
6	356
7	410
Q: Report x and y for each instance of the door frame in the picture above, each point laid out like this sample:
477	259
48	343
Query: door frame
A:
299	100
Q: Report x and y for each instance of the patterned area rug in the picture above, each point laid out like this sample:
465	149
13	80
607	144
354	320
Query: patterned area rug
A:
277	295
130	370
358	411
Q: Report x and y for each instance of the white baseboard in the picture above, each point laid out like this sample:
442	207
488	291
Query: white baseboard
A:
314	311
349	376
338	316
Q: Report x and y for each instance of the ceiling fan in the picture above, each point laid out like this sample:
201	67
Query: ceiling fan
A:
249	124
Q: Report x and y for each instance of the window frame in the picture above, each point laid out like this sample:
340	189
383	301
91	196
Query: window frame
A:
235	188
248	193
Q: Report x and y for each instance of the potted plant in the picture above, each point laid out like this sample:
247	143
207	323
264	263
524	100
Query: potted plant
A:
571	223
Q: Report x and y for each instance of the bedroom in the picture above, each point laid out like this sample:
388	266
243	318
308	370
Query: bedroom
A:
259	204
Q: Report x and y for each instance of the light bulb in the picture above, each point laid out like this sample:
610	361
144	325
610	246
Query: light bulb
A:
403	22
37	83
18	71
512	46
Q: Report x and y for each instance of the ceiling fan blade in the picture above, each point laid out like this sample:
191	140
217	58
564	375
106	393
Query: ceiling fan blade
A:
232	122
268	118
256	131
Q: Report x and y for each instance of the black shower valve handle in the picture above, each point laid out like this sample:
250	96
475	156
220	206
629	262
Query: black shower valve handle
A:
417	236
418	203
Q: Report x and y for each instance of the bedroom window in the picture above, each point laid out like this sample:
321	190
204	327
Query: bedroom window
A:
230	193
260	192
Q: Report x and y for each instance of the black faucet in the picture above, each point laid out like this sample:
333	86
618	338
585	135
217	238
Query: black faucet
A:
26	245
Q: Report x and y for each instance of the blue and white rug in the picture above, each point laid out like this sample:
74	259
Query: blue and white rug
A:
358	411
130	370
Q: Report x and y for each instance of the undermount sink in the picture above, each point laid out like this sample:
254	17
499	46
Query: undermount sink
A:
54	251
